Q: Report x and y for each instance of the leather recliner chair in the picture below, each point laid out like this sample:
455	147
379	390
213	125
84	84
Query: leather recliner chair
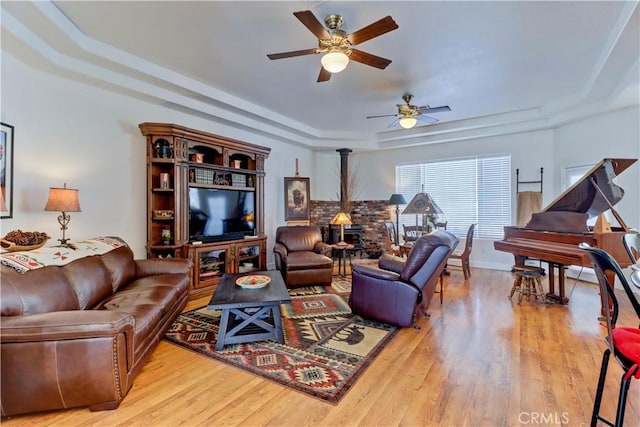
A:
400	289
302	257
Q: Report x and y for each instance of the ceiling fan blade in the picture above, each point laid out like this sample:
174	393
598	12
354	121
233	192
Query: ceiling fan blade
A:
427	109
384	115
426	119
369	59
394	123
292	53
309	20
324	75
376	29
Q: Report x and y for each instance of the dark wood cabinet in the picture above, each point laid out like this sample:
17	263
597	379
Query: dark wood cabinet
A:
179	158
212	260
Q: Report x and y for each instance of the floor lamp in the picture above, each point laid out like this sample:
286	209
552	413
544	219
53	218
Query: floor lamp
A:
397	199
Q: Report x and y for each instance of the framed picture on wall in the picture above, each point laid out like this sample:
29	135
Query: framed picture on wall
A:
296	201
6	171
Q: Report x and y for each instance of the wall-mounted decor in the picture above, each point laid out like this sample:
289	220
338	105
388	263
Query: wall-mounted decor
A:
6	171
296	202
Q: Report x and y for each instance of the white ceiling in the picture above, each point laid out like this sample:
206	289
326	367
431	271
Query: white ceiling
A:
502	67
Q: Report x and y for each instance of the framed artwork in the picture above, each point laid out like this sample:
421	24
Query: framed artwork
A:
296	201
6	171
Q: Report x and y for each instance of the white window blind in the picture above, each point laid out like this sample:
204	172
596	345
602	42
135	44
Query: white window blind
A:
469	190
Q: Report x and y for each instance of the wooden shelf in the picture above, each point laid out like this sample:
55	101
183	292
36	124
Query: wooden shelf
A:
164	247
162	160
220	167
221	187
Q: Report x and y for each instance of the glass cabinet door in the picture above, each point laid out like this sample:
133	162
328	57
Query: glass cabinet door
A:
211	263
249	258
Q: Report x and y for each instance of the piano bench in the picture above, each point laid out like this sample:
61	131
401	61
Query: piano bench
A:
530	268
527	282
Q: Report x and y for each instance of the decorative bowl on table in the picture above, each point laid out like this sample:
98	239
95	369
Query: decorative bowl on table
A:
253	281
18	240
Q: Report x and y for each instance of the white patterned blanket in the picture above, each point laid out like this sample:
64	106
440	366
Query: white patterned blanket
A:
59	255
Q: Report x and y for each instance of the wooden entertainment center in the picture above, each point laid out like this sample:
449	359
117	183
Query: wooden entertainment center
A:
180	159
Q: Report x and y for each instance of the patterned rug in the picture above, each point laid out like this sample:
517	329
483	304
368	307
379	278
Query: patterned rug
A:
326	347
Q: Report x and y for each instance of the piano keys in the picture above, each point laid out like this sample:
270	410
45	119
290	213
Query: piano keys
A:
553	235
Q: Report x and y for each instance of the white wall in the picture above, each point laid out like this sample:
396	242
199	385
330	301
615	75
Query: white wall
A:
88	137
615	135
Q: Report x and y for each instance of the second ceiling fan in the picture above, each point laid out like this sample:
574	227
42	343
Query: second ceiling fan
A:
409	115
337	45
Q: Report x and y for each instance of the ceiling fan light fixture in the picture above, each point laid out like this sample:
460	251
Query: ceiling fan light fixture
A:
335	61
408	122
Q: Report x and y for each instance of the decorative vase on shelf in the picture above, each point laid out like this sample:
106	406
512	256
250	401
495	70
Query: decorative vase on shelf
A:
163	149
166	236
164	181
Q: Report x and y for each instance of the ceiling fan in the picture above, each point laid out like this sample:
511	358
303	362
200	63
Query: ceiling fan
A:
337	45
409	115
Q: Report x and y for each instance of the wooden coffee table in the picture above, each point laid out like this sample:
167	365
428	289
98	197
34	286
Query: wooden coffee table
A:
249	314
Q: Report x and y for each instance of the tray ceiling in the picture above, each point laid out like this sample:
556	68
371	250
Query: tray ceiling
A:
500	66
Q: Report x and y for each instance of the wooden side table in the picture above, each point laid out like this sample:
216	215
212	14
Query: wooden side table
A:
341	252
405	248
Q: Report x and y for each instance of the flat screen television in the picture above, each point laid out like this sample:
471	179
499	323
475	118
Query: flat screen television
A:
219	214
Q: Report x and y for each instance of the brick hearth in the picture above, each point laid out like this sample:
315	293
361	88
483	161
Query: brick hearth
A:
370	214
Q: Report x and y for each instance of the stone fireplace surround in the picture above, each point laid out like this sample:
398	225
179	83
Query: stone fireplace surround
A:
369	214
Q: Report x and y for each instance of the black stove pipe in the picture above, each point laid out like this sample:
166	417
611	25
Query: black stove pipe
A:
344	175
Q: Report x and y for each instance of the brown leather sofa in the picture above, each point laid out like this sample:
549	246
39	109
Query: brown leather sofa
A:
401	288
78	335
302	257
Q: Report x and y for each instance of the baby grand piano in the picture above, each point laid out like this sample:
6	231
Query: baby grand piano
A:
553	235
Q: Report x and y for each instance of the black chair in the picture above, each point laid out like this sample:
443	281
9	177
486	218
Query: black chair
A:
622	342
631	242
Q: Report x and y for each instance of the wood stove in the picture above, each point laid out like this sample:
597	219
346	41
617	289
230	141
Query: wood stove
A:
352	235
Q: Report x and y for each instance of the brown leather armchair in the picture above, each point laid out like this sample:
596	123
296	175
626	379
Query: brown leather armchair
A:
302	257
400	289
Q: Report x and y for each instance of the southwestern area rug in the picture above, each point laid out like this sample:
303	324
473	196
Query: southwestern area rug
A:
326	347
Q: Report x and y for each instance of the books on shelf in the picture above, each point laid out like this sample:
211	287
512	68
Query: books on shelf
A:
238	180
202	176
208	176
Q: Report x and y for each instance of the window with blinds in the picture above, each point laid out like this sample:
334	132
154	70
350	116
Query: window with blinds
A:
469	190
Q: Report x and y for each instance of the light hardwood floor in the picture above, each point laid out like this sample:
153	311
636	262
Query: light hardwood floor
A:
479	360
